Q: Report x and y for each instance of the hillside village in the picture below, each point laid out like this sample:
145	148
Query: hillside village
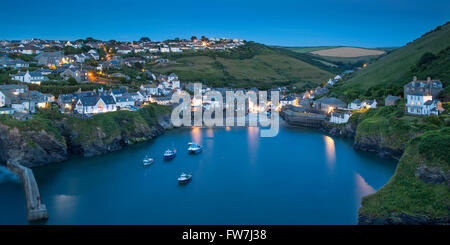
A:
97	62
88	60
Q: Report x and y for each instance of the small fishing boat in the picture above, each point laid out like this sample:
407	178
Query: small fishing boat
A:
184	178
194	148
169	154
147	161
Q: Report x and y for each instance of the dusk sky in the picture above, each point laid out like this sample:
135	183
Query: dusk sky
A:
360	23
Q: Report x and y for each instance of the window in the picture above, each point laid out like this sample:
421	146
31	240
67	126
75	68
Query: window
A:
100	105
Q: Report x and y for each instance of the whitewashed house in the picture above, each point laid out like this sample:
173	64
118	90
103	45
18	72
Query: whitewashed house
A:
432	107
95	104
124	50
339	118
151	88
331	82
80	58
30	77
139	50
415	103
175	49
422	104
355	105
93	54
164	49
2	99
287	100
125	101
370	104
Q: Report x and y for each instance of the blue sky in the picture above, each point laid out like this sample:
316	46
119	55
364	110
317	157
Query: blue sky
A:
380	23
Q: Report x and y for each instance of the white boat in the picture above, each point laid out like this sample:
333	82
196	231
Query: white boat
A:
170	154
184	178
195	148
147	161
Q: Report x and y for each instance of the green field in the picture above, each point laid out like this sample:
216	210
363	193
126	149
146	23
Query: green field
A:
266	69
397	67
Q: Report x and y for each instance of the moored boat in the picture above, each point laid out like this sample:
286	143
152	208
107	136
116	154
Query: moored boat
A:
195	148
169	154
184	178
147	161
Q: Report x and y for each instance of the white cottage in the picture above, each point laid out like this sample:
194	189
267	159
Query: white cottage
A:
95	104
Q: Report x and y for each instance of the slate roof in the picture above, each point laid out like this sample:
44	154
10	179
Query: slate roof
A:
92	100
331	101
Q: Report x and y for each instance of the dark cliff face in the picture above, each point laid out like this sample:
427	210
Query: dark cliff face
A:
30	148
102	143
347	130
377	144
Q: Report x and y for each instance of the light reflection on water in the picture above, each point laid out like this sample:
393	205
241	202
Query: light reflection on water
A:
330	151
253	143
362	188
65	205
196	135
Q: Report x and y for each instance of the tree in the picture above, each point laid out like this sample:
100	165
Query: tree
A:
89	39
145	39
204	39
72	81
193	39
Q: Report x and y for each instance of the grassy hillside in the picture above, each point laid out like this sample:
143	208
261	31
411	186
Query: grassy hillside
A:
392	127
397	68
253	65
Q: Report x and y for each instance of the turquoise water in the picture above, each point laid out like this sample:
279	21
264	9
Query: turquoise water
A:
299	177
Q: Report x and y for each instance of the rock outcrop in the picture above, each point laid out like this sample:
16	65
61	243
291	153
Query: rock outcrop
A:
432	175
347	130
35	148
377	144
30	148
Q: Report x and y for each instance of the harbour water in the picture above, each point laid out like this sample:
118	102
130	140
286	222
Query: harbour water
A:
300	176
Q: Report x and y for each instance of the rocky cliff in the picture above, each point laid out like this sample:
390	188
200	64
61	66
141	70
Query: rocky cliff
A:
100	141
30	147
49	137
379	145
347	130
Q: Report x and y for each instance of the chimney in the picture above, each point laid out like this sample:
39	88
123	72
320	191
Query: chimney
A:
428	79
414	78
